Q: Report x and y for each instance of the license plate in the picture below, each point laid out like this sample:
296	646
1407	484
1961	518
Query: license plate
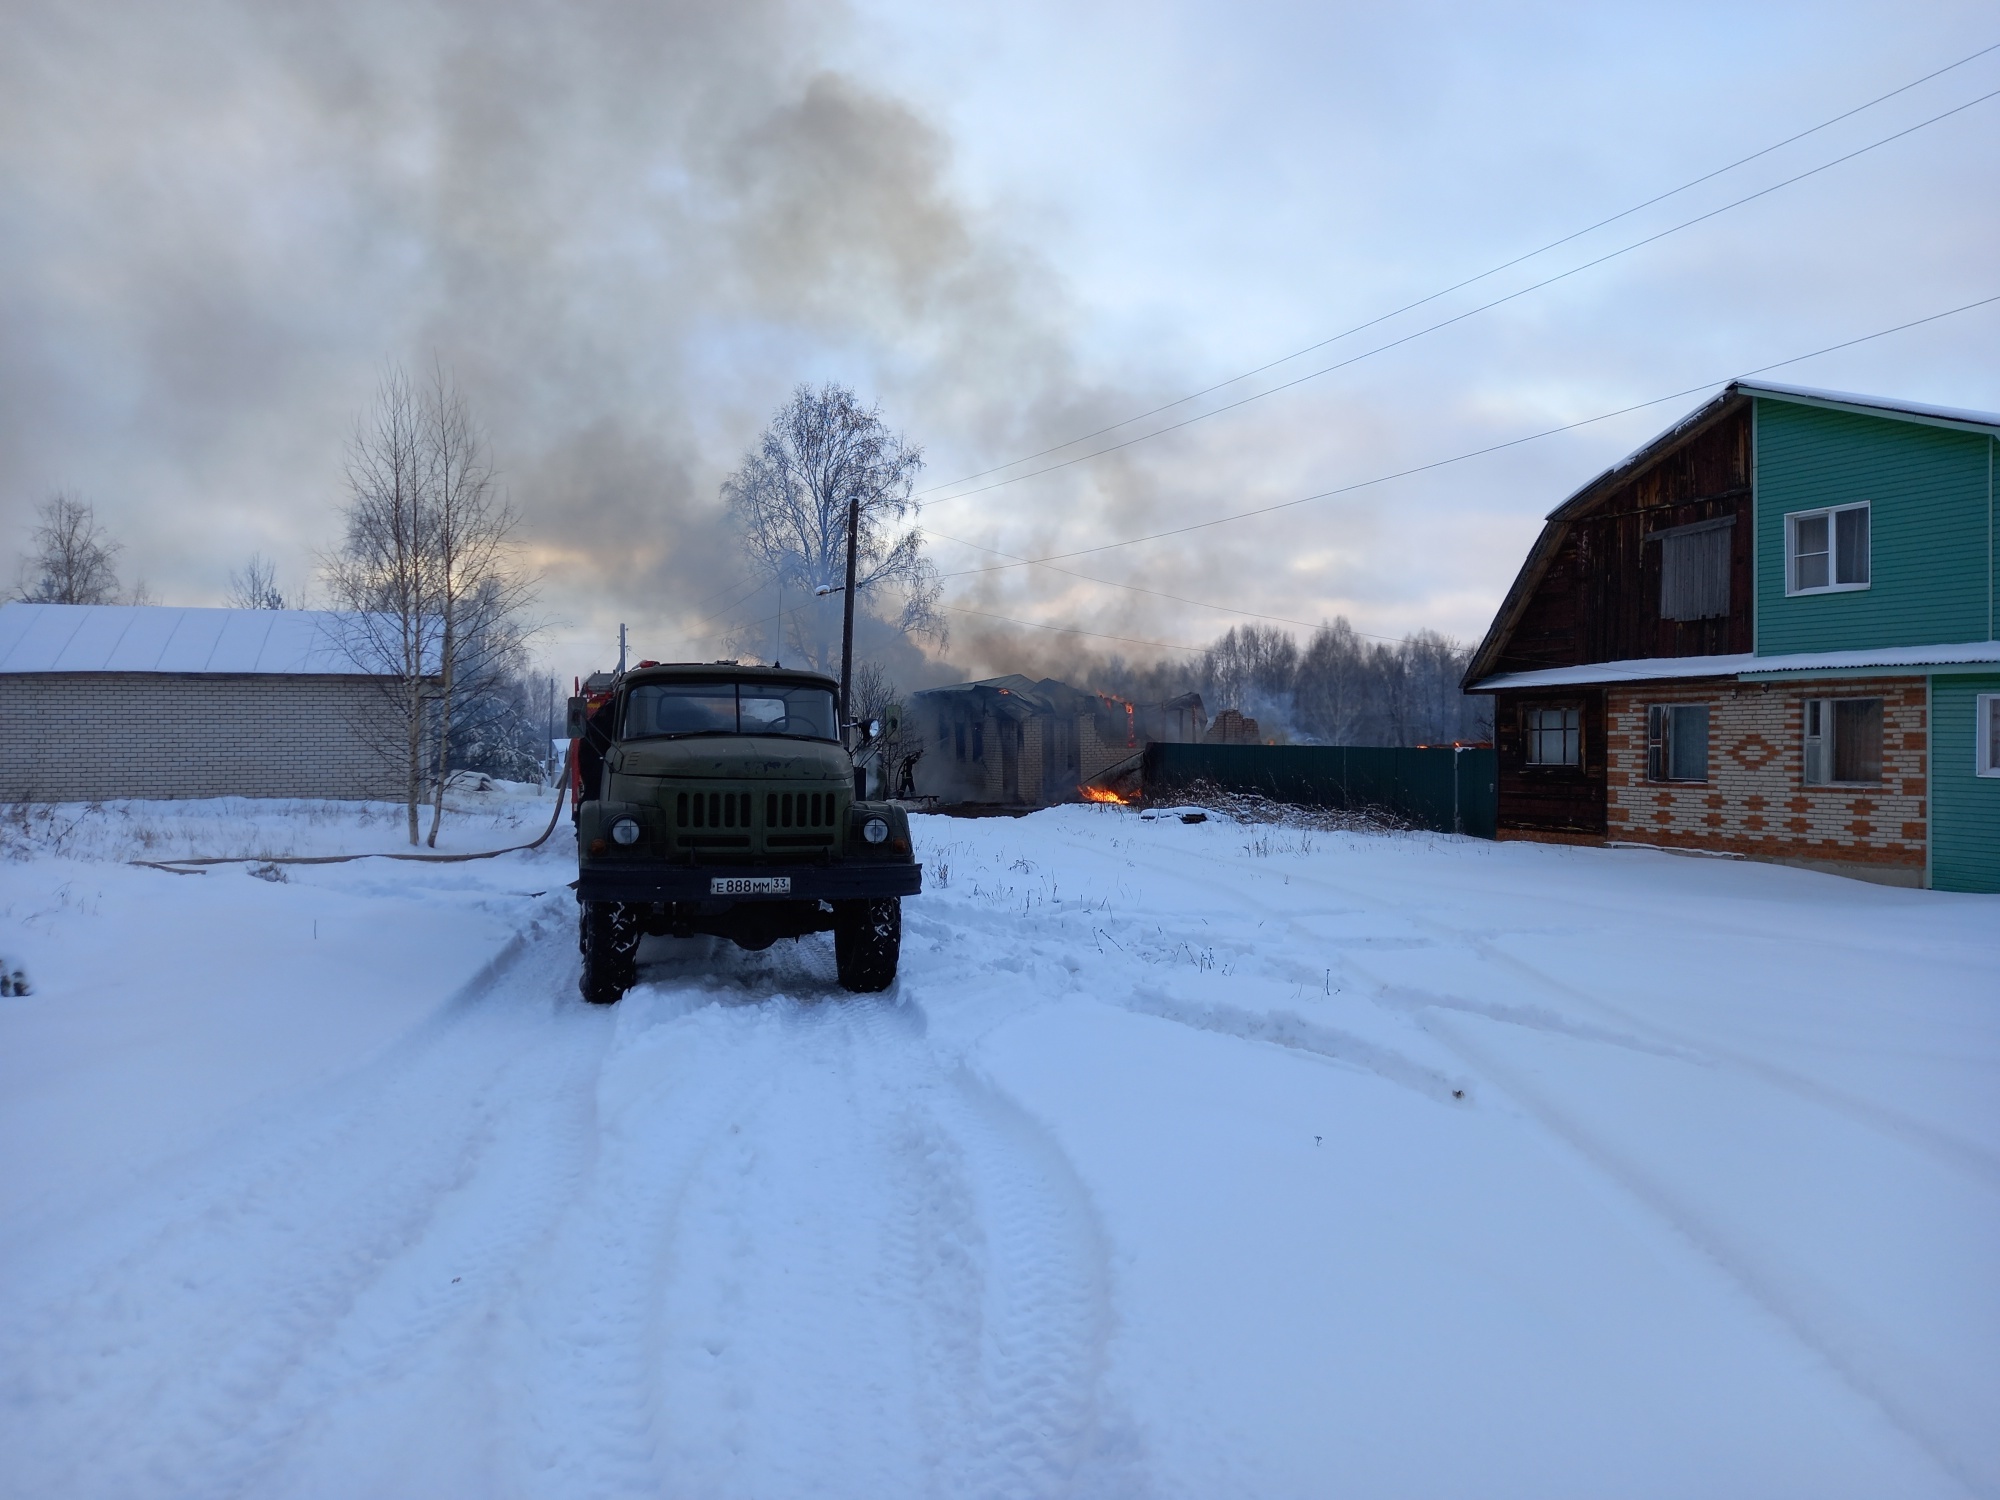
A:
750	885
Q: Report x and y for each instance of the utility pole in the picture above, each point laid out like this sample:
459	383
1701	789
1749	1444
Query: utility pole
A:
847	615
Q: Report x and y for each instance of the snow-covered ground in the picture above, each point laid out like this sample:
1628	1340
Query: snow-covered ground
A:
1193	1160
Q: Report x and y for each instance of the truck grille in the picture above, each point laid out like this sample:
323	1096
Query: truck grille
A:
798	809
791	821
712	810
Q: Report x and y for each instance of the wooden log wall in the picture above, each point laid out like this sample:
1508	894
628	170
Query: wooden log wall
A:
1600	598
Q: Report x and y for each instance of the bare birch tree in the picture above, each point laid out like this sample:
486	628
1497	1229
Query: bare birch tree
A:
256	586
384	574
1335	679
424	574
73	561
1338	690
479	597
789	503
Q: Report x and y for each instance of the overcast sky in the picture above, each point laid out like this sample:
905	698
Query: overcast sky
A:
631	229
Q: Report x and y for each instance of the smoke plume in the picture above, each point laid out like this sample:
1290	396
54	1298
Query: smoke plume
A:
628	228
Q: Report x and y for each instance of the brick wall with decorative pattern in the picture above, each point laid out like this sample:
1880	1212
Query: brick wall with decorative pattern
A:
1755	801
96	736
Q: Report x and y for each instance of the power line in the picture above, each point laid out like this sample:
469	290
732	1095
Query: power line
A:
783	614
715	593
1049	562
1227	609
1468	313
1438	463
959	609
755	586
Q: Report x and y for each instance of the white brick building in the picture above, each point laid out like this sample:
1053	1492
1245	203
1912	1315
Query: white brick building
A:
108	701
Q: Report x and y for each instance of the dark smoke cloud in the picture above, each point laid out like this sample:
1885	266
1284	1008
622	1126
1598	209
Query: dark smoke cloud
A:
631	228
628	228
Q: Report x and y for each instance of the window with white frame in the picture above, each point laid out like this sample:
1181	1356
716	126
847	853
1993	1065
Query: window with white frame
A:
1827	550
1554	735
1843	741
1989	734
1677	742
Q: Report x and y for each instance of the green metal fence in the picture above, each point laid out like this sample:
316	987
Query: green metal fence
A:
1449	790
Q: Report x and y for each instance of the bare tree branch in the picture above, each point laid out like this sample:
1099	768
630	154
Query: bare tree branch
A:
384	574
480	596
789	502
73	557
256	586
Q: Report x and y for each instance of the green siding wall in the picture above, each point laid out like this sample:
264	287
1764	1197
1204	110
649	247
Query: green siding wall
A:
1932	558
1965	807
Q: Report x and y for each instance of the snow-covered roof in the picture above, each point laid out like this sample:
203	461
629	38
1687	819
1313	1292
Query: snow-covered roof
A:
1884	406
1918	410
156	638
1661	668
1585	499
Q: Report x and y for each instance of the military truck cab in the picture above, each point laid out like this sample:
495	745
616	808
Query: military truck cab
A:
720	800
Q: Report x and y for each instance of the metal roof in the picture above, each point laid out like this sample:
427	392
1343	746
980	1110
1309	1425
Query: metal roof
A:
1876	406
1871	406
1746	664
1587	497
157	638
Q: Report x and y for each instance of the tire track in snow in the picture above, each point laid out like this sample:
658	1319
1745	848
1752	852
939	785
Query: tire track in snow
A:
828	1261
1294	1032
420	1339
206	1306
1047	1318
1941	1146
587	1343
1629	1031
785	1246
1647	1035
1769	1287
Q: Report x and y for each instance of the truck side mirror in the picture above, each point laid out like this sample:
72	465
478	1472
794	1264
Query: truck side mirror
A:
579	715
874	729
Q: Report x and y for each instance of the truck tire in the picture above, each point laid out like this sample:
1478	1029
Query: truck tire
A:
867	941
608	933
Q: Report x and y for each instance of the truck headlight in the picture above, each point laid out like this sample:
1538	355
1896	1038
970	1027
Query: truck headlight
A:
875	830
625	831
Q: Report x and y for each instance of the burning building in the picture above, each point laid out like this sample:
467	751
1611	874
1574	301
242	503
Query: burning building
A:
1013	742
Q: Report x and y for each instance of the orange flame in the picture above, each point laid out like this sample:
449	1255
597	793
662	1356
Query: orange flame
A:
1102	794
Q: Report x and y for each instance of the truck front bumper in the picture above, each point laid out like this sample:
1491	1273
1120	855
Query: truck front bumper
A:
646	880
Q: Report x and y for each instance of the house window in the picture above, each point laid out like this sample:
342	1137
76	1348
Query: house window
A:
1843	741
958	738
1677	742
1989	734
1826	550
1694	570
1554	736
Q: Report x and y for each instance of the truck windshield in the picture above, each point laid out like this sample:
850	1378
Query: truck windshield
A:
661	709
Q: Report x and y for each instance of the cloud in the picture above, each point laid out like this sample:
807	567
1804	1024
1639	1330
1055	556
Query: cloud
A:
629	229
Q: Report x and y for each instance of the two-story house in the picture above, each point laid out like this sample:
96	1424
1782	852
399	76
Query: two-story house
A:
1770	632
